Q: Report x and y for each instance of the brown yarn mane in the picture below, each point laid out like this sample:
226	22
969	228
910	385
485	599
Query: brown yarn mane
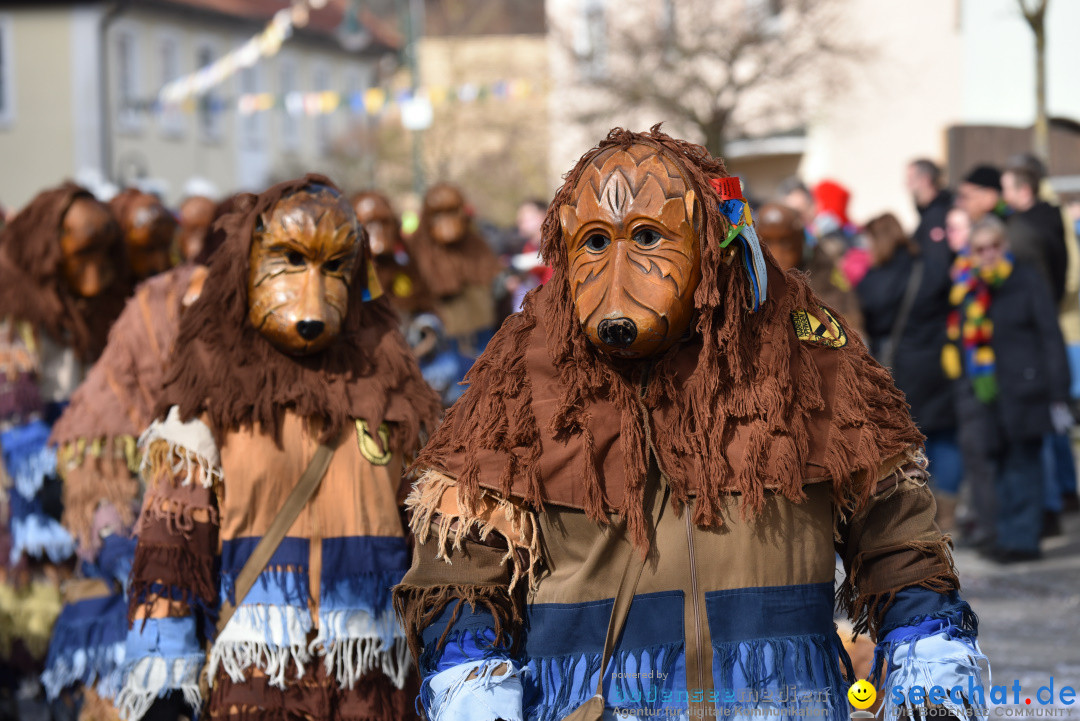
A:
738	408
32	287
223	367
446	269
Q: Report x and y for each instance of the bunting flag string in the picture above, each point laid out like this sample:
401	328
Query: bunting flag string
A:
373	102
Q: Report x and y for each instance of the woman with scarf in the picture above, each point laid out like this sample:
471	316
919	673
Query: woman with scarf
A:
1006	344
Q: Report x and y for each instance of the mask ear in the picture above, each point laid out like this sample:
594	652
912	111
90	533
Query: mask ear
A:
568	220
691	211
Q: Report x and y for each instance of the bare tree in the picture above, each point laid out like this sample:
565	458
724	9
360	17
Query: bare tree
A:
1034	12
727	68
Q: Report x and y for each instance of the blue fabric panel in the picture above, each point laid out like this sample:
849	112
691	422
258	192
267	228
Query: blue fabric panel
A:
165	637
568	629
745	614
358	572
276	585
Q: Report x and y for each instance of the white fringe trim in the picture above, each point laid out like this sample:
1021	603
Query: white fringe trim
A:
82	664
190	443
150	677
273	639
934	661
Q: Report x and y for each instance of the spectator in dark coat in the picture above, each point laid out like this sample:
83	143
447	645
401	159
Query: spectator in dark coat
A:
915	360
1036	230
931	200
1009	349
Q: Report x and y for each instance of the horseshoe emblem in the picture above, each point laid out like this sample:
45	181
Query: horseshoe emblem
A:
369	448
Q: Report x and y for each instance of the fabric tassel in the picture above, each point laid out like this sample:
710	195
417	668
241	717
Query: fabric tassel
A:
87	646
152	677
566	682
270	638
39	536
953	660
763	673
28	457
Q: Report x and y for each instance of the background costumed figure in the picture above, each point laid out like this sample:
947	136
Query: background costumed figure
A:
458	269
395	269
149	231
97	458
781	229
280	353
672	401
61	288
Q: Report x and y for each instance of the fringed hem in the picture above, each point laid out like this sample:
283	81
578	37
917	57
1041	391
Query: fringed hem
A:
350	659
866	610
811	664
38	536
152	677
959	660
418	606
73	454
100	667
561	674
458	517
273	639
28	472
178	449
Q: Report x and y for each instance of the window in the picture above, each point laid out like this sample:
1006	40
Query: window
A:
591	41
211	106
7	71
293	106
354	87
171	117
251	123
321	82
128	115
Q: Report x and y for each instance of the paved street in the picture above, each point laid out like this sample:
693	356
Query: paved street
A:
1029	613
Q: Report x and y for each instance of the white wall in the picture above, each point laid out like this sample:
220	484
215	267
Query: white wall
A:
999	62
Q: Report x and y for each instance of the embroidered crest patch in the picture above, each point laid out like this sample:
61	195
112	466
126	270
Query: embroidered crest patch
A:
369	449
820	327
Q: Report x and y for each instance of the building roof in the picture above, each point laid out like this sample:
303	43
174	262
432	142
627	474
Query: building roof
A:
325	21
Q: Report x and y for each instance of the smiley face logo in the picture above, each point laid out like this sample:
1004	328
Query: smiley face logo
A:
862	694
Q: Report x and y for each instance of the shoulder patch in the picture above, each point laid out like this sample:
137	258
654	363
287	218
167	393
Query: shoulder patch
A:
369	449
820	327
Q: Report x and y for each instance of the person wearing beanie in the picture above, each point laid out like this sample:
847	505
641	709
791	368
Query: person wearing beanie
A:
980	193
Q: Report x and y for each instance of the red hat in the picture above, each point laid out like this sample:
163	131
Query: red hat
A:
833	198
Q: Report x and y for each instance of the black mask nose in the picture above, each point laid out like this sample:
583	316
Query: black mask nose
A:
617	332
310	329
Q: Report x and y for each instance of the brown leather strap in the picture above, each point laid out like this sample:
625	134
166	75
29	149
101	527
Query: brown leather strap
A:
635	564
290	510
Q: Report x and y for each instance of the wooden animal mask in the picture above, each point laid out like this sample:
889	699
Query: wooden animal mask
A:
149	229
375	214
303	256
781	229
634	256
196	215
88	234
445	208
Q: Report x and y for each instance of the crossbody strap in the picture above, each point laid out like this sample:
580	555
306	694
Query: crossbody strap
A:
624	596
283	521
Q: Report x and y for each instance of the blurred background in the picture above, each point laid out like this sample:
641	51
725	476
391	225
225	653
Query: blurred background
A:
501	96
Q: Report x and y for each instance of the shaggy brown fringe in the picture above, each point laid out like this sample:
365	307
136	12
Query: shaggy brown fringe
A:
866	610
418	606
746	371
446	269
32	287
224	368
104	478
190	581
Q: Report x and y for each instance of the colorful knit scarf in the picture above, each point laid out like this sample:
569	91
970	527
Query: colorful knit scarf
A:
970	329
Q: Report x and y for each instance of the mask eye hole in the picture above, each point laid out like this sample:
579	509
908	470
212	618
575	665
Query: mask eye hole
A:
597	242
294	257
647	238
332	266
